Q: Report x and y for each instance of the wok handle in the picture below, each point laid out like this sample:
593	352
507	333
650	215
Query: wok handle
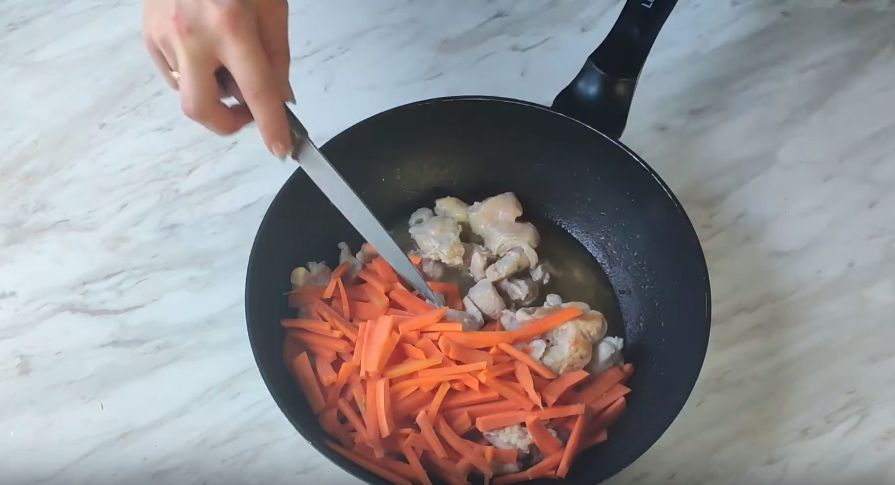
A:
600	95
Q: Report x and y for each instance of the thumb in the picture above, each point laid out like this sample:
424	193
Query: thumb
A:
273	26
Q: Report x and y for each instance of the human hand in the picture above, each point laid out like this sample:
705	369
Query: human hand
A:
191	41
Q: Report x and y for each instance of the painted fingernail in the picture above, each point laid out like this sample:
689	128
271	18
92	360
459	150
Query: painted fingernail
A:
280	150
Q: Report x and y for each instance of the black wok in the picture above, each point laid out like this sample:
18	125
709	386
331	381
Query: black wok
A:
566	166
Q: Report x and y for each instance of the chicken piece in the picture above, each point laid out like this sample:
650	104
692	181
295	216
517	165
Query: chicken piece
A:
438	238
316	274
541	273
345	255
365	256
607	353
432	270
477	258
520	291
504	236
511	263
500	208
509	438
420	216
486	298
569	346
452	207
471	319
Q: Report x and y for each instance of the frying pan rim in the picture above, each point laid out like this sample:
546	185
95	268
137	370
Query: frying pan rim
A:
359	472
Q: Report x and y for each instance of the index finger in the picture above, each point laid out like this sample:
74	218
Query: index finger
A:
250	68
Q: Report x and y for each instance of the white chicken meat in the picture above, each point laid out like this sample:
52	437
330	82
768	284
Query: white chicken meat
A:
486	298
477	259
345	255
433	270
471	319
515	437
438	238
607	353
452	207
541	273
500	208
520	291
316	274
511	263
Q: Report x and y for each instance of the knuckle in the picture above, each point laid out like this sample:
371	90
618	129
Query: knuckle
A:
192	108
229	15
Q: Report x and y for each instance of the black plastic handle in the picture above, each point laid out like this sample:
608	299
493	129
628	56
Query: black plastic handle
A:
600	95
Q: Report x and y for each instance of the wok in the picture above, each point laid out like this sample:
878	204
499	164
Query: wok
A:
567	167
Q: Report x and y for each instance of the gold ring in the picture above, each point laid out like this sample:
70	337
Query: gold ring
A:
175	75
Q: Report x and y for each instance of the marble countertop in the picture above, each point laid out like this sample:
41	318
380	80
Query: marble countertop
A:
126	229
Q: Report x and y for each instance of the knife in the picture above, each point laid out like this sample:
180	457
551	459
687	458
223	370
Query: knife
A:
334	186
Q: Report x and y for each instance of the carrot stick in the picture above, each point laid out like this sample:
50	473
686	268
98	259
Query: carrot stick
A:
410	302
316	326
608	416
523	375
390	344
411	366
371	415
479	340
469	397
400	468
413	352
439	397
428	432
325	371
346	307
542	437
399	313
384	408
422	320
546	466
431	350
330	288
561	385
411	404
506	391
423	381
456	369
416	440
545	324
502	420
374	280
598	386
484	409
384	270
364	311
331	343
345	372
377	339
462	424
497	370
526	359
352	417
336	320
571	447
451	292
369	465
465	448
614	393
401	395
511	478
416	260
415	463
561	411
469	356
443	327
358	358
308	382
375	296
355	293
594	440
506	456
412	338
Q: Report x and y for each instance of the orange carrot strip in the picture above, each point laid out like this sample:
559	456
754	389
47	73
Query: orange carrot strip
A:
345	373
545	467
413	352
415	463
571	447
331	287
561	411
331	343
484	409
497	370
317	350
384	408
502	420
614	393
364	311
399	313
506	391
416	440
369	465
439	397
375	296
469	397
423	381
377	339
561	385
545	324
526	359
463	424
456	369
523	375
428	432
400	468
352	417
325	371
599	385
373	279
385	271
336	320
542	437
410	302
469	356
417	260
431	350
355	293
411	404
594	440
506	456
411	366
511	478
412	338
608	416
308	382
422	320
358	358
464	447
371	416
316	326
346	305
368	248
401	395
458	386
479	340
390	344
451	292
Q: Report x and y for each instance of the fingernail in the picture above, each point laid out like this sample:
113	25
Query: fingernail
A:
279	150
291	95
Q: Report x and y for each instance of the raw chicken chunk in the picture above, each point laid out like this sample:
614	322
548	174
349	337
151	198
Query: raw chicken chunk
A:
509	438
471	319
316	274
607	353
511	263
504	236
366	256
432	270
521	291
420	216
487	299
345	255
541	273
476	259
438	238
500	208
452	207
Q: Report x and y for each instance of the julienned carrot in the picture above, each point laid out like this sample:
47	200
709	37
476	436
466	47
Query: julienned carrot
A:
608	416
451	291
428	432
353	419
371	416
469	356
545	324
502	420
413	352
599	385
316	326
523	375
431	350
562	384
422	320
411	404
375	296
462	424
479	340
373	279
443	327
484	409
336	320
357	358
346	307
345	372
497	370
508	392
506	456
614	393
456	369
571	447
325	371
401	395
369	465
364	311
416	260
384	408
331	343
528	360
411	366
385	271
464	447
412	338
377	338
545	467
308	382
542	437
410	302
435	407
469	397
414	462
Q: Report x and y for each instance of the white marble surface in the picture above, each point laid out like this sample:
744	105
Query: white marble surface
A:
125	229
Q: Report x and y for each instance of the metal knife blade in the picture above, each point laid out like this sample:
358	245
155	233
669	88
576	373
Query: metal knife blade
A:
334	186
